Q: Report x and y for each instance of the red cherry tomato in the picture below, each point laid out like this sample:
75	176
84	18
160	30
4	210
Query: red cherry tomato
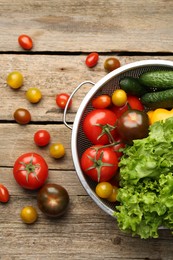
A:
25	42
42	138
30	171
102	101
4	194
99	163
92	59
61	100
133	102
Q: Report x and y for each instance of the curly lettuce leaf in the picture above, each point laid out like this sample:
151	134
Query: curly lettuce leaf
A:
151	156
146	193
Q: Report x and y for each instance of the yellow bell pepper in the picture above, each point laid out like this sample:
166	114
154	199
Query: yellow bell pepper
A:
159	114
150	113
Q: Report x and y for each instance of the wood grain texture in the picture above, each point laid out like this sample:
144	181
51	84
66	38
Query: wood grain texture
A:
85	26
52	74
85	232
63	33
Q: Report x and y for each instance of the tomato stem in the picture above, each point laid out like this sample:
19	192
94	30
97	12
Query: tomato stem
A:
30	168
106	129
98	163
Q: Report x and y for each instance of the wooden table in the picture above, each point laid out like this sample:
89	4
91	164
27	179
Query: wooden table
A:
64	32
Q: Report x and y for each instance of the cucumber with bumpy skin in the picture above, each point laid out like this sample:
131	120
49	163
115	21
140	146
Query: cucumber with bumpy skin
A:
159	99
132	86
157	79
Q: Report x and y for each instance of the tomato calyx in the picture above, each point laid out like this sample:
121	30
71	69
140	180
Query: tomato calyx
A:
106	129
30	168
98	163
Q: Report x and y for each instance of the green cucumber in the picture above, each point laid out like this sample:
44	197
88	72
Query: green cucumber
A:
159	99
132	86
157	79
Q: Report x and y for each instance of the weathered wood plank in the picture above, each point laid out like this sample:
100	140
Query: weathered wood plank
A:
16	140
84	232
106	26
52	75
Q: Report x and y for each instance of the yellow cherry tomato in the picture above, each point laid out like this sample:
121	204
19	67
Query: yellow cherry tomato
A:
104	189
57	150
33	95
119	97
29	214
15	79
113	196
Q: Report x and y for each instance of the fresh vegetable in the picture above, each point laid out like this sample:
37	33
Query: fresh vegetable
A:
150	113
104	189
158	99
92	59
119	97
29	214
132	86
25	42
53	200
99	126
118	147
22	116
133	102
42	137
113	196
33	95
133	124
160	114
57	150
111	64
15	79
30	171
4	194
99	163
146	180
157	79
102	101
61	100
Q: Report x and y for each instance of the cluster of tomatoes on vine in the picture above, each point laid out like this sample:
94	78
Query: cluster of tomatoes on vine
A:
114	122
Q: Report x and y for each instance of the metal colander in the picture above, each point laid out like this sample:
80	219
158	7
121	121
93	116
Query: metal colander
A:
79	142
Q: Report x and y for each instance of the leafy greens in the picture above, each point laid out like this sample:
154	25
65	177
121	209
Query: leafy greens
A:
146	183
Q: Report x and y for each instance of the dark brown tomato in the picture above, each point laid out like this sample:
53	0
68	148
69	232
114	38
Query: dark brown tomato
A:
53	200
133	124
22	116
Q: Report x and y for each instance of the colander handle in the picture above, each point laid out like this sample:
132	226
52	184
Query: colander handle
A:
72	94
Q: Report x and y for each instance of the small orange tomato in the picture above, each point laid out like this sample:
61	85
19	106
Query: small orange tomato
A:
102	101
57	150
113	196
33	95
28	214
25	42
15	79
104	189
